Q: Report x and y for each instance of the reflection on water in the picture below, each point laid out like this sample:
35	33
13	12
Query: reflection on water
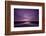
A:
26	23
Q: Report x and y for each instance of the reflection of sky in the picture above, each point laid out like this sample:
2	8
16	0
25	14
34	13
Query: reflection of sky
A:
26	14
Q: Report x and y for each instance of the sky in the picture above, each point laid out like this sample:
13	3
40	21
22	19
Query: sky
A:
26	14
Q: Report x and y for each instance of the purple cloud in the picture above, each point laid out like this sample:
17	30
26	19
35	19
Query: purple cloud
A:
26	14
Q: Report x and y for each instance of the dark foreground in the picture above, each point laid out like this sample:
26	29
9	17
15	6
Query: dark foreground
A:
26	23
